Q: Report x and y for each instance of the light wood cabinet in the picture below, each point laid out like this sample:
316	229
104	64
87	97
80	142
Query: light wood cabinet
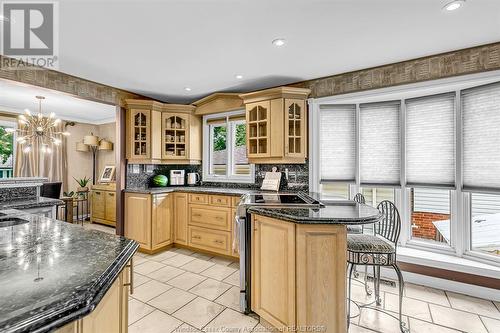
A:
181	218
302	284
273	264
162	133
210	240
110	315
103	204
276	125
210	217
149	219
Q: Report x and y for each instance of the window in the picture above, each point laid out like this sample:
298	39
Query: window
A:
6	150
374	195
225	150
485	223
334	191
430	215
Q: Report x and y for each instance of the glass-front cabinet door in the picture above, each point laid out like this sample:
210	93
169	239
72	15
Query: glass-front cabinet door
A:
258	121
295	122
175	131
140	134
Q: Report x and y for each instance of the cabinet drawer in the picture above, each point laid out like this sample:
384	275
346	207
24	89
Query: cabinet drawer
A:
211	240
98	204
110	212
198	198
210	217
220	200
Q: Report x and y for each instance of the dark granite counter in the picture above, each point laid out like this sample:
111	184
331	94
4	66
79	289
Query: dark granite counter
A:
342	212
194	189
29	203
52	272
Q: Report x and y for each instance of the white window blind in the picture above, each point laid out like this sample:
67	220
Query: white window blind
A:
430	141
338	143
380	149
481	138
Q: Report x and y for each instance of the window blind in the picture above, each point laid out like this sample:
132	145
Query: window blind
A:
430	141
380	149
481	137
338	143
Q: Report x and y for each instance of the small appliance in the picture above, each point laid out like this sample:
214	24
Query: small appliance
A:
176	177
193	178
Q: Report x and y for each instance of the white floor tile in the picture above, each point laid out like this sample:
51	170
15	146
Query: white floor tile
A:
198	312
379	321
231	321
231	298
492	325
148	267
233	279
473	304
178	260
184	251
172	300
358	329
155	322
166	273
162	256
210	289
426	294
186	280
140	279
202	256
411	307
137	310
460	320
218	272
185	328
149	290
419	326
222	261
197	265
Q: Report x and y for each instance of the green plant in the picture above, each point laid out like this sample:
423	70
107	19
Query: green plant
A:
6	141
69	194
82	182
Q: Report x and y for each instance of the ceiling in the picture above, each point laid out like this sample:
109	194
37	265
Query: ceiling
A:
15	97
157	48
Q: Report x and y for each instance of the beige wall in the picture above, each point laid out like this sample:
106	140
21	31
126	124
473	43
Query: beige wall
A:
80	163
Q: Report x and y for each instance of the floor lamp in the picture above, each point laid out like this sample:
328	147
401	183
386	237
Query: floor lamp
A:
94	144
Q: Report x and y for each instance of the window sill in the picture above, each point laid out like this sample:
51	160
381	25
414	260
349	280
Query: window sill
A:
228	180
447	262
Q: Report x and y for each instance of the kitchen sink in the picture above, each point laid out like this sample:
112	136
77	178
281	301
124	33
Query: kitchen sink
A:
11	221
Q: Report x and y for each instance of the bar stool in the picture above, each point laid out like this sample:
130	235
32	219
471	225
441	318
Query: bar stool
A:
377	250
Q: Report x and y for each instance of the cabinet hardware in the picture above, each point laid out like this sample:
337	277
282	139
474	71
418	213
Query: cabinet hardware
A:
131	283
197	237
218	241
197	215
99	193
111	194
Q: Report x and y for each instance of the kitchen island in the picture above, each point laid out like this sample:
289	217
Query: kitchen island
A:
302	285
59	276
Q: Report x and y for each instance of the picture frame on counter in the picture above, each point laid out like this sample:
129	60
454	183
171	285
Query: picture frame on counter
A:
108	174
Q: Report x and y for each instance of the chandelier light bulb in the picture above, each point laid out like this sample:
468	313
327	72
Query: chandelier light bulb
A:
22	117
39	129
66	133
40	115
57	121
57	141
48	150
27	149
52	115
21	138
10	130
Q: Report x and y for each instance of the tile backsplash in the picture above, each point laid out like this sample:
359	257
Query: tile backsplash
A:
140	175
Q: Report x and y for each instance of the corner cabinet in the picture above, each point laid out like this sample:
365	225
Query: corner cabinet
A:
159	133
276	125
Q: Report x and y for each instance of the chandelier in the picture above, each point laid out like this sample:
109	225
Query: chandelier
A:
37	129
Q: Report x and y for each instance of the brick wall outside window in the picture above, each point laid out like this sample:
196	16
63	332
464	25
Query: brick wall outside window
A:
424	221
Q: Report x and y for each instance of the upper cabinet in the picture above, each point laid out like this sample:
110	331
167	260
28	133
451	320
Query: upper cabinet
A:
162	133
276	125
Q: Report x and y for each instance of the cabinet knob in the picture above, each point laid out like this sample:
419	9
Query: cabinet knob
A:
98	193
196	237
218	241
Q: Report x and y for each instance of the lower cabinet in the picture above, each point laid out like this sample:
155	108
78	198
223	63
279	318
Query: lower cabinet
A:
110	315
181	218
302	286
103	208
148	220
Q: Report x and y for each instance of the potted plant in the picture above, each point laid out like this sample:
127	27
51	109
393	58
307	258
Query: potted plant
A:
83	184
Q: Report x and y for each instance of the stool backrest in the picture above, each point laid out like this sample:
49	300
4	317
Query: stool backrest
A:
51	190
359	198
389	225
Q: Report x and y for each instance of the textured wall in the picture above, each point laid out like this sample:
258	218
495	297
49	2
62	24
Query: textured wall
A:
461	62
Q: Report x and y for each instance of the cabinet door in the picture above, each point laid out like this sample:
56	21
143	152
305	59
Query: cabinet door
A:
175	136
162	220
140	134
98	204
295	128
258	127
273	278
110	206
138	218
180	218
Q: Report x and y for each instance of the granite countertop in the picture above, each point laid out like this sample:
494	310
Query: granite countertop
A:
341	212
194	189
29	203
53	272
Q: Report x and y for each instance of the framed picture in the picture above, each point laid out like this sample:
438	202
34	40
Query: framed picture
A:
108	174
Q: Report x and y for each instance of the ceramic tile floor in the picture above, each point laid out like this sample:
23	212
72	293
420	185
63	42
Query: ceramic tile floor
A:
184	291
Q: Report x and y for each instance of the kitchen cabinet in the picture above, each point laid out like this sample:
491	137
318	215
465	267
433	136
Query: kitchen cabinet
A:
149	219
285	291
162	133
111	314
181	218
276	125
103	204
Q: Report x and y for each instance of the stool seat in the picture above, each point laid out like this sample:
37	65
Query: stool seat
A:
369	244
354	229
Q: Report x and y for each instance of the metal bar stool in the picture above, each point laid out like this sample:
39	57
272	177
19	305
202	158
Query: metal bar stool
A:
359	229
377	250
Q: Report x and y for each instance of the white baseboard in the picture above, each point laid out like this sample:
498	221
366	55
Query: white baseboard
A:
448	285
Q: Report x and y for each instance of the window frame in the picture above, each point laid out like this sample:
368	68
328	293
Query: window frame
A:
11	123
460	201
229	177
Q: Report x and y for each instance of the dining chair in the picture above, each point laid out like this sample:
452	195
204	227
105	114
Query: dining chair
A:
377	250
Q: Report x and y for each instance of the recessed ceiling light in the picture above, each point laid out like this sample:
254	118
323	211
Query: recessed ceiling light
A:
453	5
187	88
238	76
279	42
